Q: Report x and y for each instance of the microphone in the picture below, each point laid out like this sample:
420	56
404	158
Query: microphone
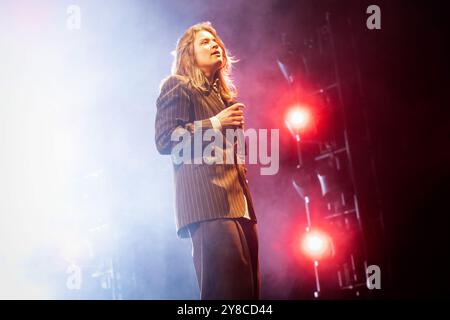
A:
229	104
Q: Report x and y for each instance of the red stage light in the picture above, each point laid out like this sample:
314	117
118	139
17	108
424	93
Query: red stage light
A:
298	118
316	244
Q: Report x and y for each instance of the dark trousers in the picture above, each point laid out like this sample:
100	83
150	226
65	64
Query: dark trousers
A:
225	254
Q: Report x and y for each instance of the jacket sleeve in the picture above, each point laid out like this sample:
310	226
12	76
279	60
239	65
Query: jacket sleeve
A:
173	109
244	166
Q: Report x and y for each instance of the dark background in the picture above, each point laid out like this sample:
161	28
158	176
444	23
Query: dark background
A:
412	130
404	76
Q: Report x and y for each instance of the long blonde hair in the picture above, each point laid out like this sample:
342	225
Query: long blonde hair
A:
184	65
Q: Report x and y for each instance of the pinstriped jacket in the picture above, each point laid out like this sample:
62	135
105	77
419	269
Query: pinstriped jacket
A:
202	191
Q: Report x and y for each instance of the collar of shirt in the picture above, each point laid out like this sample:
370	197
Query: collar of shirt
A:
214	86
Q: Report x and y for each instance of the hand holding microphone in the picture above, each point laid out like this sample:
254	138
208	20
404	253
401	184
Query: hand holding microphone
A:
232	116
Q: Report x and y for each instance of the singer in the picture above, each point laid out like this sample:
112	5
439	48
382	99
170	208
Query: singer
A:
213	203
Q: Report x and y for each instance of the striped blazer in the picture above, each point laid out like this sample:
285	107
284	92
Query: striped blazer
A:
202	191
